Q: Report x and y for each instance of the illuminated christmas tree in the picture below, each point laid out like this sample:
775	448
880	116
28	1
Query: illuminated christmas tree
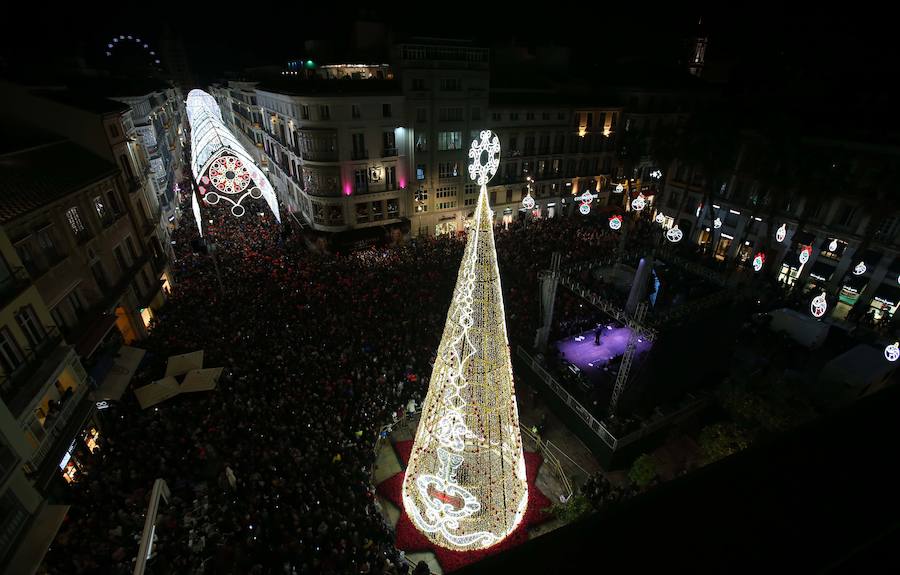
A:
465	485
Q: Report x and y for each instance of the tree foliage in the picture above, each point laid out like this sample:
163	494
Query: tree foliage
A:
644	470
721	440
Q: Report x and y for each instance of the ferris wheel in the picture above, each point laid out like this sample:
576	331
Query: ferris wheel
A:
124	41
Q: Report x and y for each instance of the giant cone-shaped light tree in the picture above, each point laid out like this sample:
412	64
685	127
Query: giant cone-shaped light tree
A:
465	485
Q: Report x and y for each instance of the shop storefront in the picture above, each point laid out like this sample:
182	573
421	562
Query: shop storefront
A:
851	289
820	274
790	268
886	299
86	444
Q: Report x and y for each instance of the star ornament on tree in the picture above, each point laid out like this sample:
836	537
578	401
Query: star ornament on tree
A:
485	156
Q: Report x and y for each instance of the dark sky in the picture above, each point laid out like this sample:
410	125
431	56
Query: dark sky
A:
846	44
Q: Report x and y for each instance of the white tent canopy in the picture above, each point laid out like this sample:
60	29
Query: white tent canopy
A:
213	145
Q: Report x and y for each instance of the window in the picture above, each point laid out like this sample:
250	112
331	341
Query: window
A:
845	215
386	110
304	112
448	169
74	219
120	259
359	146
493	198
360	179
476	114
471	189
47	243
529	115
354	111
514	144
421	142
513	116
23	249
114	130
391	177
131	249
30	325
451	84
560	115
590	119
495	116
545	116
446	205
469	201
99	275
393	208
418	84
421	115
446	192
10	354
508	195
75	301
390	144
451	114
420	172
450	140
114	202
101	210
324	112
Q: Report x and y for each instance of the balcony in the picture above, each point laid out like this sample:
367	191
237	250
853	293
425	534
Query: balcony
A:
60	434
389	152
359	155
13	285
19	387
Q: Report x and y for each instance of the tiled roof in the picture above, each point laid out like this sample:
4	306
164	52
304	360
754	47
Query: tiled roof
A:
39	176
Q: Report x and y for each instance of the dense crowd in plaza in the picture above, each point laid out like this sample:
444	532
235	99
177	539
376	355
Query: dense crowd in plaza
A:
270	473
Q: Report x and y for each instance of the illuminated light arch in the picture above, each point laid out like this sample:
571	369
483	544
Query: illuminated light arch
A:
222	167
123	40
818	306
465	486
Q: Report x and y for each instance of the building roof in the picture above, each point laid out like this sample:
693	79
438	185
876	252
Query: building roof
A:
37	176
82	101
296	86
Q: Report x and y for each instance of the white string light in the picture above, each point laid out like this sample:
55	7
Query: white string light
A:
818	306
465	486
780	233
892	351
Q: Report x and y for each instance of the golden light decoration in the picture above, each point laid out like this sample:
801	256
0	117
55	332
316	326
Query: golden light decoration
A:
465	486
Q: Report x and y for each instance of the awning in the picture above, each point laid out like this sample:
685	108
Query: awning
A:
181	364
94	334
887	293
201	379
821	271
157	392
116	381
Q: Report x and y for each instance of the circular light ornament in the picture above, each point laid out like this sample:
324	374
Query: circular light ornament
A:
758	261
860	269
717	223
528	202
818	306
674	235
485	156
615	222
892	352
832	247
639	203
660	218
585	206
619	188
229	175
804	254
780	233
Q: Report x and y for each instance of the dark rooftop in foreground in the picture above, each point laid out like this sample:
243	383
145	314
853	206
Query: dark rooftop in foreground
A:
41	169
82	101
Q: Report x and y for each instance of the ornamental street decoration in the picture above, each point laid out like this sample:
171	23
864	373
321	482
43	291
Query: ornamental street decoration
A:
892	352
674	235
619	188
615	222
833	246
528	202
780	233
717	223
804	254
660	218
656	174
860	269
485	156
584	202
758	261
818	306
465	486
638	203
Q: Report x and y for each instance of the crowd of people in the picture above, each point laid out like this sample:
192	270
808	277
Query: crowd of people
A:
270	472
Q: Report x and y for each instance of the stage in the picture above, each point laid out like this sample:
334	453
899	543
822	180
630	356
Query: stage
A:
592	359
